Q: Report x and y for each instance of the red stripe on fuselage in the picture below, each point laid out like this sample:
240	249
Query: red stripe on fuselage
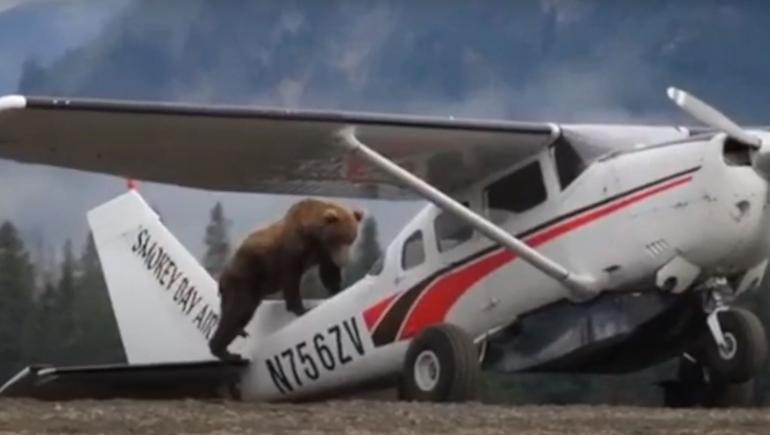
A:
441	296
373	314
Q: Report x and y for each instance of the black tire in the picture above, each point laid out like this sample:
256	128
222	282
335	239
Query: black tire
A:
750	354
448	348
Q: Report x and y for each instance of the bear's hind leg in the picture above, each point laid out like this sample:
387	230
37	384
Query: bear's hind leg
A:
236	309
245	311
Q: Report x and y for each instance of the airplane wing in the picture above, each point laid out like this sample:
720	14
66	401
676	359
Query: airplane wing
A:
263	150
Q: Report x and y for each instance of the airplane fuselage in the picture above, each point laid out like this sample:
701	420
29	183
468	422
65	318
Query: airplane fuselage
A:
658	219
543	242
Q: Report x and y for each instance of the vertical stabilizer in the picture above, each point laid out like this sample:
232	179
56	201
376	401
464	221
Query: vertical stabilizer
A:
165	303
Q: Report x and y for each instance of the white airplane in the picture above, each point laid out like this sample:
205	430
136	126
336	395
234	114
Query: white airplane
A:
544	247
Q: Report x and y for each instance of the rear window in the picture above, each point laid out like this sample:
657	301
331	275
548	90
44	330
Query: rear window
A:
413	253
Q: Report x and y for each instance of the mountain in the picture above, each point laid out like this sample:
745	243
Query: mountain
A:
45	29
569	60
563	60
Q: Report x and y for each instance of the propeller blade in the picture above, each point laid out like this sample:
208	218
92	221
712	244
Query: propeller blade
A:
711	116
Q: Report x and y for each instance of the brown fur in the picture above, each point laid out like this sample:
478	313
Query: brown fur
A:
274	259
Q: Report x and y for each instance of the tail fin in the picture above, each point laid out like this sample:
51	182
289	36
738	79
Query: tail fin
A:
165	303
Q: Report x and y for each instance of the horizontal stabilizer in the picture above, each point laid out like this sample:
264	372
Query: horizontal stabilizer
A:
202	379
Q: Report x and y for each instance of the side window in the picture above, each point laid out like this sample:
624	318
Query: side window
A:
519	191
414	252
450	231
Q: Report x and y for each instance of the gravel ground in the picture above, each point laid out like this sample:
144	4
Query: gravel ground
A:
364	417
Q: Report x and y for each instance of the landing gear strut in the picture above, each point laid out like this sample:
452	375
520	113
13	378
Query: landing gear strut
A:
720	369
738	350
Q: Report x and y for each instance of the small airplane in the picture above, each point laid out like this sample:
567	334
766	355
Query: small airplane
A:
544	247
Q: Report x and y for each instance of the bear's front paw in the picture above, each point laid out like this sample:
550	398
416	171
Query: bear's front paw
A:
298	309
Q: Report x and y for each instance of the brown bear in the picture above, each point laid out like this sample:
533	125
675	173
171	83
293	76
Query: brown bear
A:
313	232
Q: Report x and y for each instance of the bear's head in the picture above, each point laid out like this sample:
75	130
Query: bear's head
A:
339	231
333	226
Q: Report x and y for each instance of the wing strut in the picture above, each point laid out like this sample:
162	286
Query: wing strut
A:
581	287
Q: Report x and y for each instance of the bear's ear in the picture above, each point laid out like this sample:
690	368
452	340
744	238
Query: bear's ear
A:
330	215
359	215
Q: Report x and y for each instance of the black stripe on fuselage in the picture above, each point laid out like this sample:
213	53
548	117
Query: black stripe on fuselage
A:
388	328
607	200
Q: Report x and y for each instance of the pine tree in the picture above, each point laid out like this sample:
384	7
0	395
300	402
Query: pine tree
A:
365	254
217	241
41	336
99	340
55	331
16	288
65	327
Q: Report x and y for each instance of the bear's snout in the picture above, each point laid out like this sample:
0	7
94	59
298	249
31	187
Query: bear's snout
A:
341	255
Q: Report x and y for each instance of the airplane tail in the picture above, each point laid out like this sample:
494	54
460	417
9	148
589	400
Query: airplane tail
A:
165	303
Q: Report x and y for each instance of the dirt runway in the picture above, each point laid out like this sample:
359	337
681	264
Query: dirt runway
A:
365	417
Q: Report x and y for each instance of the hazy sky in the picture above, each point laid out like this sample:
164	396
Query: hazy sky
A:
49	204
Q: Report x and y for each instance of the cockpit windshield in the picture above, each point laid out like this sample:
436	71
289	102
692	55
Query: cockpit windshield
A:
573	155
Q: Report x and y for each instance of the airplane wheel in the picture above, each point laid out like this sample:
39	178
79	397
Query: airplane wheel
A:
746	353
695	389
441	365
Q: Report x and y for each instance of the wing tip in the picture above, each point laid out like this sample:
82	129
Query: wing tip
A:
8	102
